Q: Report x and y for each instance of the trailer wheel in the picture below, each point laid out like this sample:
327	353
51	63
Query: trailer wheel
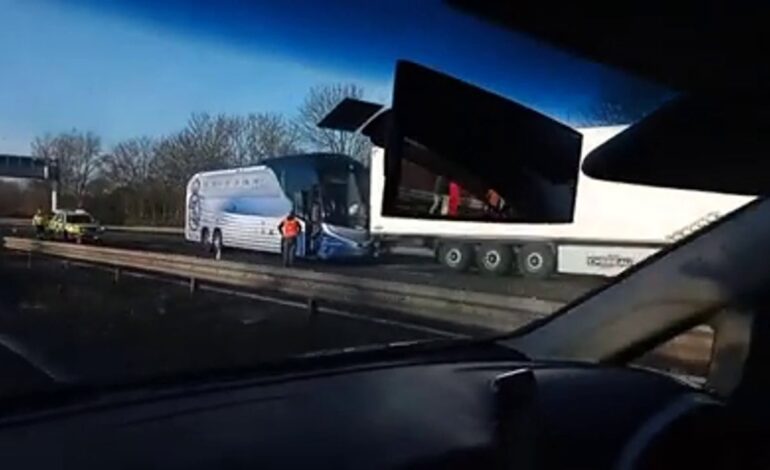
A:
494	259
537	260
456	256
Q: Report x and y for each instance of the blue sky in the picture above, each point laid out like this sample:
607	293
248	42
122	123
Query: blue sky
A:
124	68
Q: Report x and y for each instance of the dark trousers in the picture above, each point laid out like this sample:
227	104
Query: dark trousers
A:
288	248
39	231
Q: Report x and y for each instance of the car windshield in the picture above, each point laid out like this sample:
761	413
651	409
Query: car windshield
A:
80	219
280	179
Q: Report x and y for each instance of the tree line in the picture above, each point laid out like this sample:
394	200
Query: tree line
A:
142	180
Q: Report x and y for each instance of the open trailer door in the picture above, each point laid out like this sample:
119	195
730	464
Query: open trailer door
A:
503	161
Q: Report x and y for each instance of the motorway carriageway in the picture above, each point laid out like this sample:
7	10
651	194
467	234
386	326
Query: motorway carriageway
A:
79	326
409	269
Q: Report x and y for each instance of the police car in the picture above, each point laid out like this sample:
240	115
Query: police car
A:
77	225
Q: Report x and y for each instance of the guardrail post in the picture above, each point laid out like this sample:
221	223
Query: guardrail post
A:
193	285
116	277
29	260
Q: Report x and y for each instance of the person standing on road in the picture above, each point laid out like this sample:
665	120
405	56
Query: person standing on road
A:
38	221
290	229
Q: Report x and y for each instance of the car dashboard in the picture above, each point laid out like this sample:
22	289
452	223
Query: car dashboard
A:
424	412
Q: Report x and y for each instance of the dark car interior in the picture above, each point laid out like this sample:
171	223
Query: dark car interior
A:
489	403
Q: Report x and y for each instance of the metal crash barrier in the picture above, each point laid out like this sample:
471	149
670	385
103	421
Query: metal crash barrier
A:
469	308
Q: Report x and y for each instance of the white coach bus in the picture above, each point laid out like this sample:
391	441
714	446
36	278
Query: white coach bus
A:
242	207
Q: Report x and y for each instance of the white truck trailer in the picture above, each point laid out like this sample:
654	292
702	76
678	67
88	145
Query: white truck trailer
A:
615	225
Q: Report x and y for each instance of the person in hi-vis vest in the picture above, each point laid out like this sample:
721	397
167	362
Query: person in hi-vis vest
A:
38	221
290	229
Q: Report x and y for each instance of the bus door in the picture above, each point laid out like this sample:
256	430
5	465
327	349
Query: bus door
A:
300	210
313	218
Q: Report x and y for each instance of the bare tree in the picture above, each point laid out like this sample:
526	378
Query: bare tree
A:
319	101
127	179
87	161
239	141
77	156
144	179
203	145
207	138
130	162
256	137
270	135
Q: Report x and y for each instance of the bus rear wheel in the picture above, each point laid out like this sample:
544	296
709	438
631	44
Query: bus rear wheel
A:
216	241
205	242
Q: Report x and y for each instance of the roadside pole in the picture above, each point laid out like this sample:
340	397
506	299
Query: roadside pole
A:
51	173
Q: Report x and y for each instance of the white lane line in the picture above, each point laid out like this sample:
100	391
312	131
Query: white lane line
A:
32	358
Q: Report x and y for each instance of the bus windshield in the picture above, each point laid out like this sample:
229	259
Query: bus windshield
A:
343	196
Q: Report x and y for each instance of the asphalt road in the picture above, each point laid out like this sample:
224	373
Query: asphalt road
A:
77	324
409	269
